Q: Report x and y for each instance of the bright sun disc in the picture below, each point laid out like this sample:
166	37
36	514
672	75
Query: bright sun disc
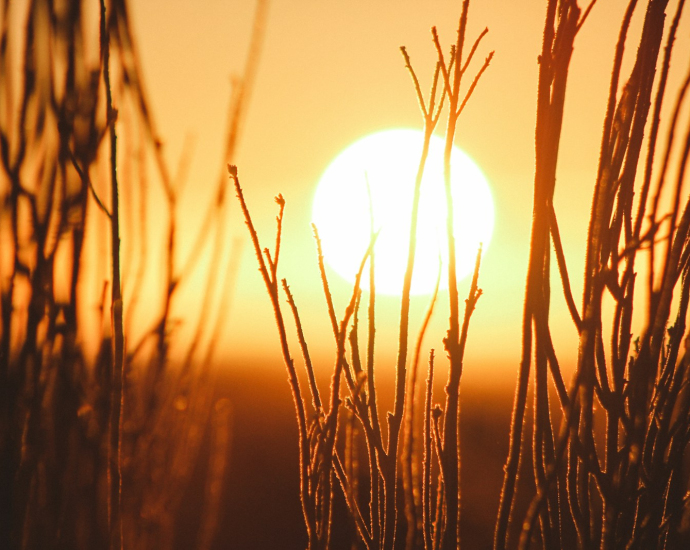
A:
385	164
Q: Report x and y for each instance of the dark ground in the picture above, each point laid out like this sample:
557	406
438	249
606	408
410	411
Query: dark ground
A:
261	507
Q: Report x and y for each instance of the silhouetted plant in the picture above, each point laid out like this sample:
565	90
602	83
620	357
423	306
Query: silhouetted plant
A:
320	456
630	492
86	454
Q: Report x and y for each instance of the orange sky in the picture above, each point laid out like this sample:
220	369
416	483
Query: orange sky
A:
331	72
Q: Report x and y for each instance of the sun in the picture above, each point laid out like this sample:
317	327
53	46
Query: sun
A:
372	181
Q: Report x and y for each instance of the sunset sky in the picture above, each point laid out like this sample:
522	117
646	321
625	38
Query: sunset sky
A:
331	73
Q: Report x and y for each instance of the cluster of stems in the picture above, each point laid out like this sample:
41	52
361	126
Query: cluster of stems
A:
619	487
86	454
627	491
395	467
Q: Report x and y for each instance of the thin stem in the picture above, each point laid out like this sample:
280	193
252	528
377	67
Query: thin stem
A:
426	482
305	350
117	394
475	82
271	287
411	508
563	270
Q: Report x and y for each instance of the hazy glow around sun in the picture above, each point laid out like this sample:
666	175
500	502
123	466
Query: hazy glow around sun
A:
386	164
